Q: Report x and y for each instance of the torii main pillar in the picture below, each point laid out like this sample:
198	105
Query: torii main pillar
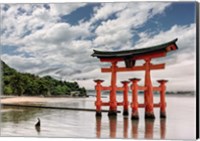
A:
113	101
148	94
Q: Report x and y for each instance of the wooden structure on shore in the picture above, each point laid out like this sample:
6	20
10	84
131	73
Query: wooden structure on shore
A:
129	57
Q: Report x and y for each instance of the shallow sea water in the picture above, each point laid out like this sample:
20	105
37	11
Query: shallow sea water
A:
179	124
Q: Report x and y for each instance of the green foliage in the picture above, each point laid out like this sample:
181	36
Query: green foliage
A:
61	90
16	83
8	90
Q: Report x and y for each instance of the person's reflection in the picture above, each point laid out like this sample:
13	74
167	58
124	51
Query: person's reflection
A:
98	127
37	128
135	124
162	128
113	126
149	125
126	127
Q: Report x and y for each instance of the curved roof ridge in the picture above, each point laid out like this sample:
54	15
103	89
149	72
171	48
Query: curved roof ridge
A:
125	53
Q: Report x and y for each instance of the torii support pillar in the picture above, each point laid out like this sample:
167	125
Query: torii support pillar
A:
98	102
162	98
113	101
125	101
148	95
134	104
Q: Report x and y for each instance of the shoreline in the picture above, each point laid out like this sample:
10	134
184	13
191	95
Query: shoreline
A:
49	99
43	103
34	99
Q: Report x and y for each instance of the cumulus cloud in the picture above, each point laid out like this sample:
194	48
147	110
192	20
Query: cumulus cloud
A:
45	45
19	20
57	34
22	63
64	9
107	9
185	35
116	33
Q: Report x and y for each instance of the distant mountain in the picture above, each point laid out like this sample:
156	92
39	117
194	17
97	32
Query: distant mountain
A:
17	83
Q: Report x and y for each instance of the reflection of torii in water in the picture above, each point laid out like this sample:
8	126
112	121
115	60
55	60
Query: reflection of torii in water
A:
149	128
130	57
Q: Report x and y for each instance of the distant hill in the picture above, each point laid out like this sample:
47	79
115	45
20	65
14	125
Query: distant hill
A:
17	83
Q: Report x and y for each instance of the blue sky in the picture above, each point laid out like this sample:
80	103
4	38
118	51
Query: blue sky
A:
58	39
178	13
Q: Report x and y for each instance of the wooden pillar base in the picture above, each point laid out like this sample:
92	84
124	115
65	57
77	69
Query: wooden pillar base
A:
135	115
98	114
125	113
149	115
112	113
163	115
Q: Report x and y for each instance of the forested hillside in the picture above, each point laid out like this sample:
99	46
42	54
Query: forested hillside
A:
16	83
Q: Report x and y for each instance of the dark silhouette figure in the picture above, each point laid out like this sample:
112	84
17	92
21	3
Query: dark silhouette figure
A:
37	125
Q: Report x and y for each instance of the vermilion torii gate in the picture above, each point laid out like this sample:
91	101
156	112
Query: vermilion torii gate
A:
130	57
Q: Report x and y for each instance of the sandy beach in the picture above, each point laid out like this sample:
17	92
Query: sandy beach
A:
32	100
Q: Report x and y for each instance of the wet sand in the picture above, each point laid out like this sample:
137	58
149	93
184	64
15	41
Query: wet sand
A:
31	100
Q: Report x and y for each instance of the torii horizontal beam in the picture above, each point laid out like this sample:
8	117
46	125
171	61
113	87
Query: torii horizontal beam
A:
136	68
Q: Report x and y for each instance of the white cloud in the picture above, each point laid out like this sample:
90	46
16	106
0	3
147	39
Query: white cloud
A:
23	64
64	51
20	19
185	35
64	9
57	33
127	19
107	9
112	41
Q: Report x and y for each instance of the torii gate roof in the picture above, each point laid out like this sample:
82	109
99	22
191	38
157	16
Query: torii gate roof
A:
165	47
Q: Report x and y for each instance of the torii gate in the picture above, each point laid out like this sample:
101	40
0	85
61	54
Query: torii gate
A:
130	57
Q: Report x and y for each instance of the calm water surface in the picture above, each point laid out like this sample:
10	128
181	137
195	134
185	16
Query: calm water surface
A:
180	122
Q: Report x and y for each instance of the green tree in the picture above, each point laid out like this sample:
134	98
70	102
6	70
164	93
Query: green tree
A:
28	84
18	83
8	90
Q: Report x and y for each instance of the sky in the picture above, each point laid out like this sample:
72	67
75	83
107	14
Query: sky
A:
58	39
